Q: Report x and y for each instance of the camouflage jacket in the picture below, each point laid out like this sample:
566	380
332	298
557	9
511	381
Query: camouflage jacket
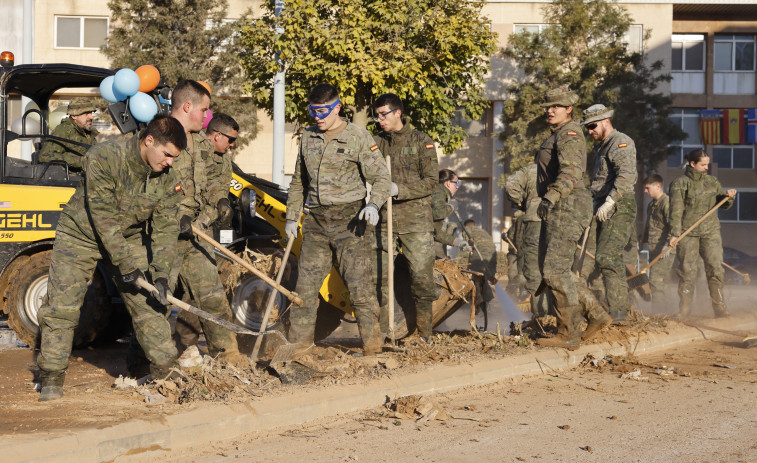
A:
415	170
561	162
485	245
444	234
55	150
691	196
201	180
614	167
657	230
521	190
336	172
114	204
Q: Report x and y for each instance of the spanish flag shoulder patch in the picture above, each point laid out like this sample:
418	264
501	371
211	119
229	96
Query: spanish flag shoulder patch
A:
430	146
374	147
622	145
177	187
570	132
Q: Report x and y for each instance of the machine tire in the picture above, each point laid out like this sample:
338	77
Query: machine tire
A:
27	291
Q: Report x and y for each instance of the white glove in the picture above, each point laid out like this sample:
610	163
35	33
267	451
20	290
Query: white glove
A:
606	210
369	214
291	228
394	191
667	253
461	244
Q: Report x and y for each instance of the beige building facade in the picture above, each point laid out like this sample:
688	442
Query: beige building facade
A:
690	37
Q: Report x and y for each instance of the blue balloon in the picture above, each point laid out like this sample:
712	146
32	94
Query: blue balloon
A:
143	107
106	90
126	82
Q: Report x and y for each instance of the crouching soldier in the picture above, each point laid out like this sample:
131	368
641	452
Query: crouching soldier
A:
128	186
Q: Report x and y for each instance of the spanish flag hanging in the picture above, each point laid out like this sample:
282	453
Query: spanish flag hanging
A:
733	126
709	126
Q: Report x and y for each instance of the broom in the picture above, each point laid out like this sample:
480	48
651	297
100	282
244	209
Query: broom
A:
641	278
743	275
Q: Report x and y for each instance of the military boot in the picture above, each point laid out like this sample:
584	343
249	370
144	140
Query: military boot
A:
51	387
684	305
168	371
598	320
567	337
718	301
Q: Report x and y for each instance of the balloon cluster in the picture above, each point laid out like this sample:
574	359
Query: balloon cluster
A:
133	85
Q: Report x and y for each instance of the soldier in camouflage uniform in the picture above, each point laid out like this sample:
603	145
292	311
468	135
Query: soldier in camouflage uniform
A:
657	236
691	196
128	185
521	190
565	211
442	206
486	263
336	158
614	204
415	170
205	200
76	127
516	281
222	133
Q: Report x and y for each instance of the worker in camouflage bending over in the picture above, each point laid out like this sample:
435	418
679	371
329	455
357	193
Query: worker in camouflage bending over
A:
335	160
76	127
128	186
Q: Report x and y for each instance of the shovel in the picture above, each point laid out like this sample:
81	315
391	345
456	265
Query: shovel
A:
641	277
390	250
289	294
284	351
272	298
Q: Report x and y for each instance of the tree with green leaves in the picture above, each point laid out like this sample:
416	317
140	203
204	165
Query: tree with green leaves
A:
434	54
585	47
189	39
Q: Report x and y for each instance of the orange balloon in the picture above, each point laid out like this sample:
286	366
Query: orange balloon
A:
204	84
149	78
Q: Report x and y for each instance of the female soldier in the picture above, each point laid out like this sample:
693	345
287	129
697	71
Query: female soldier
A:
691	196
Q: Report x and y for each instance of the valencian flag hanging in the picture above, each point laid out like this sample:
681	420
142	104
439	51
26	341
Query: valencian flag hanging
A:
709	126
751	125
733	126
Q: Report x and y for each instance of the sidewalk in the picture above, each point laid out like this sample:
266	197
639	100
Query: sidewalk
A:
210	423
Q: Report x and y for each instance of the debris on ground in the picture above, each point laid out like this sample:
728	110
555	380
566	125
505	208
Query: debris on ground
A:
418	408
634	375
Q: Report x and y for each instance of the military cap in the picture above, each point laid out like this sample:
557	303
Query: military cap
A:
560	96
79	106
596	112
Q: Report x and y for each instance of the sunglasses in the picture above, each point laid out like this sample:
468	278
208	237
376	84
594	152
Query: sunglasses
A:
231	139
591	126
381	116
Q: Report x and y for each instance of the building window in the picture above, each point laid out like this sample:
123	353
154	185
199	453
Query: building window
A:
531	28
744	207
688	52
688	120
85	32
734	52
733	156
474	128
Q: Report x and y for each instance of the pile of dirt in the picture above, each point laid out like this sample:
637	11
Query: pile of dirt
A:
330	364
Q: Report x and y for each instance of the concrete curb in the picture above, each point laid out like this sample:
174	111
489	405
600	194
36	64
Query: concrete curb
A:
212	423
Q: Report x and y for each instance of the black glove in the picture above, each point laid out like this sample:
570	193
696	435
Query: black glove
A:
162	292
185	226
545	207
131	278
225	212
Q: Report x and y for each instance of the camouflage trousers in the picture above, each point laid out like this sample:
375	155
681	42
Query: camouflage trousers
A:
334	234
73	263
197	274
710	248
418	250
516	281
612	237
560	233
659	279
528	252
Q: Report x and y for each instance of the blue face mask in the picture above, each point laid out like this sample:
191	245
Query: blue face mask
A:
322	110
